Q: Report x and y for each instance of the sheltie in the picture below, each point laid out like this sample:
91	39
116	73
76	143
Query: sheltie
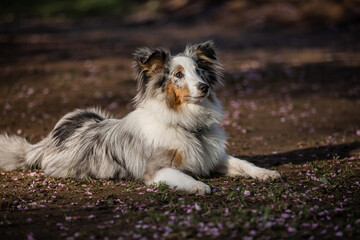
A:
173	135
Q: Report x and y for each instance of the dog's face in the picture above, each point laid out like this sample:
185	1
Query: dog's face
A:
184	83
188	77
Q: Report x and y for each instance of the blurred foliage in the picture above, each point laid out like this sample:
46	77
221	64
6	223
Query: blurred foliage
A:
246	13
65	8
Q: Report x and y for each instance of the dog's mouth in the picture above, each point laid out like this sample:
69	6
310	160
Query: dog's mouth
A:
199	98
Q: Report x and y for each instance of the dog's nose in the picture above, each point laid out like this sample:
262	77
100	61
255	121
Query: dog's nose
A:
203	87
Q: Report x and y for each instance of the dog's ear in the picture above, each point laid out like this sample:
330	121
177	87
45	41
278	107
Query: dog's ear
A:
204	51
151	61
204	55
150	64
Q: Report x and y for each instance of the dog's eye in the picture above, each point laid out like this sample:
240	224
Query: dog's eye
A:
179	74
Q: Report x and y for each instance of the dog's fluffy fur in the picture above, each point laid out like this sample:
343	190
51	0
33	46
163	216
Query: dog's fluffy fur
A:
172	136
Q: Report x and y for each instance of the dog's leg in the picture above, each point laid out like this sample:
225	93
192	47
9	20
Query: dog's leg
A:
178	179
232	166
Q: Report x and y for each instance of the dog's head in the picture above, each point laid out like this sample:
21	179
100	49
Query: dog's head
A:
188	77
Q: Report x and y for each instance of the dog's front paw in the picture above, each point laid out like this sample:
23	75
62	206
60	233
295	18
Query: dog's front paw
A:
200	188
264	174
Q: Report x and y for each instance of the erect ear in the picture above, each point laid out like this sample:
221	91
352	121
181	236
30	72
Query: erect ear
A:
151	61
150	64
204	51
204	55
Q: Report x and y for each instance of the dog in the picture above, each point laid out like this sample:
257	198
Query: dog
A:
173	136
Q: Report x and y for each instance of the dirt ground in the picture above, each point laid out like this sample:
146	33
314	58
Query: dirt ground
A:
292	103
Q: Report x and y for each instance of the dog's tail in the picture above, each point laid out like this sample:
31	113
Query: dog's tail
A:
16	153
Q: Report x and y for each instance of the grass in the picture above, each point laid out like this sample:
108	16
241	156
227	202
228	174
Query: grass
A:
314	200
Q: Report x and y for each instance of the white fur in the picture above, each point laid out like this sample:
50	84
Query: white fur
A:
180	181
232	166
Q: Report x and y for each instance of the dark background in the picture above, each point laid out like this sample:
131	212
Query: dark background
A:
291	97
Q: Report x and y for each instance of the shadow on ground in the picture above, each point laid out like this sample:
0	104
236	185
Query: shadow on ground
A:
306	155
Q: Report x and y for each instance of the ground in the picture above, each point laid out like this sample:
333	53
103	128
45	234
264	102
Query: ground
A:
292	103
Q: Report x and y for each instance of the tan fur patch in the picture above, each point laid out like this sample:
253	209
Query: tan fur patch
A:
175	96
180	69
154	66
176	159
202	56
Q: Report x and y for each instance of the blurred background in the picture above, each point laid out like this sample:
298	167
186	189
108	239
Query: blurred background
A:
291	67
244	13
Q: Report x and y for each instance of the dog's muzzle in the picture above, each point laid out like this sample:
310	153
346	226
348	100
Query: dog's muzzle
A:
204	88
